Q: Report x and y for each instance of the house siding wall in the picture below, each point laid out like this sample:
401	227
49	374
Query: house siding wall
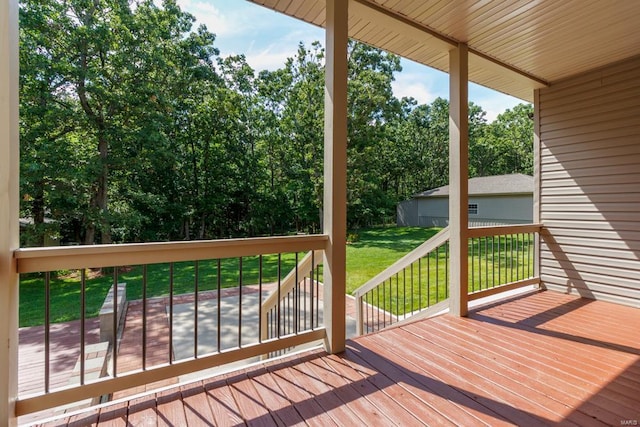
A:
590	184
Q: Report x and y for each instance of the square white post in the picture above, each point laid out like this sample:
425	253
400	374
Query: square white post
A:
335	174
458	179
537	216
9	208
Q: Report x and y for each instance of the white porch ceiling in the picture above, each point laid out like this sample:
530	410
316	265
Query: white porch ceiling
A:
515	45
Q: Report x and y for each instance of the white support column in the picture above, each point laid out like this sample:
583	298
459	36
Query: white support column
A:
458	179
536	181
9	207
335	174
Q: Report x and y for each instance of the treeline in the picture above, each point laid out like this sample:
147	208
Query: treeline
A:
134	128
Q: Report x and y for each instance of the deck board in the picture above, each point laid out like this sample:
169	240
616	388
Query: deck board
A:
539	359
224	409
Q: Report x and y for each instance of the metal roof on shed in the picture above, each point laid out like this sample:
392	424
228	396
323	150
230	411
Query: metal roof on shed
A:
488	185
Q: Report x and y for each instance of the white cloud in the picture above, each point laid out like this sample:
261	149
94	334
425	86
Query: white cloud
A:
412	85
270	58
207	14
495	103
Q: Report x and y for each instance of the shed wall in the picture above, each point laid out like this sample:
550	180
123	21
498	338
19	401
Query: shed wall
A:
492	210
590	184
407	213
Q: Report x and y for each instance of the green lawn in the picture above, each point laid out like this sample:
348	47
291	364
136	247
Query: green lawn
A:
378	248
373	251
493	261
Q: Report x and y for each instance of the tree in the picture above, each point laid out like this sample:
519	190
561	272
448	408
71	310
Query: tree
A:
512	135
372	108
114	83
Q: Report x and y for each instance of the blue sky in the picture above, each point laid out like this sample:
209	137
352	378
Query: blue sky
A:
268	38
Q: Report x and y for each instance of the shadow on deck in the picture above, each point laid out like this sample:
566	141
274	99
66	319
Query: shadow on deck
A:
539	359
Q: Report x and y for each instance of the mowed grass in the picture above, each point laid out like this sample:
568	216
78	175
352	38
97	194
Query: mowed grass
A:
376	249
493	261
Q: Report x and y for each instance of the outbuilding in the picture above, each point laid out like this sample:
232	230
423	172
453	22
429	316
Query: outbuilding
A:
493	200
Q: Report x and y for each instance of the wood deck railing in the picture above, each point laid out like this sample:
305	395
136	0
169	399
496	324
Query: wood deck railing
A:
294	305
218	254
501	258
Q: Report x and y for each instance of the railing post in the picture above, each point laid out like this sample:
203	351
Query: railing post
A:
335	174
9	207
536	184
359	316
458	178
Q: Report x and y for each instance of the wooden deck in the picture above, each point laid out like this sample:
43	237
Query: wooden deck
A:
540	359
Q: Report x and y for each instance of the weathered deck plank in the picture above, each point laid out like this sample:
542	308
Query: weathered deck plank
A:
539	359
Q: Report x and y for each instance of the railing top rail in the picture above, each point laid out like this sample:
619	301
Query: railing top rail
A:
503	229
405	261
95	256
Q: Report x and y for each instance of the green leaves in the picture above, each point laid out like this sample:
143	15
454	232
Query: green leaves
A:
133	128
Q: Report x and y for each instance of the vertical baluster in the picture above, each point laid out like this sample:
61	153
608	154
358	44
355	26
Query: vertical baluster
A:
437	274
83	299
429	280
260	298
419	284
531	237
295	299
486	263
525	255
47	331
493	261
313	263
473	276
304	297
115	321
171	313
240	302
218	314
384	304
397	297
480	263
519	248
365	313
375	324
446	269
195	309
317	285
279	296
511	250
404	294
144	317
500	259
290	314
369	307
412	298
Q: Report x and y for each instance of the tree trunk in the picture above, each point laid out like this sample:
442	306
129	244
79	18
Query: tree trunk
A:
99	200
37	212
103	196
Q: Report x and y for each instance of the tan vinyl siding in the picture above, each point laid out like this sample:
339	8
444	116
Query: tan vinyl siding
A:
590	184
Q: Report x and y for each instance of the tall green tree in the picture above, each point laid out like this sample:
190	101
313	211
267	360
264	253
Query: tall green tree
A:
120	70
511	134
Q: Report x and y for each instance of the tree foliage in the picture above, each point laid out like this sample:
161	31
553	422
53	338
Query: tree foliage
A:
134	128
